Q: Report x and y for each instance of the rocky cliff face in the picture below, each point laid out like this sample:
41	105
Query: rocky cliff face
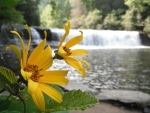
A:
145	39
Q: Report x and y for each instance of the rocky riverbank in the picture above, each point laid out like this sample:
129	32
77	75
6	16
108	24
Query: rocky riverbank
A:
115	101
106	107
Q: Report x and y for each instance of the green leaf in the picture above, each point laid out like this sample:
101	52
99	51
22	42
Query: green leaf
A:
17	105
77	99
4	103
57	56
7	73
73	100
4	81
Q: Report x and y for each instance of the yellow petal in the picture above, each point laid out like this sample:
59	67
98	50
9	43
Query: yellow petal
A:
44	59
74	41
51	92
45	33
27	27
21	64
61	51
54	77
36	52
88	65
28	46
38	99
16	50
32	86
67	30
75	64
22	43
26	75
79	52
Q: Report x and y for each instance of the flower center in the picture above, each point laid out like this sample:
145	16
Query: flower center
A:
67	50
35	72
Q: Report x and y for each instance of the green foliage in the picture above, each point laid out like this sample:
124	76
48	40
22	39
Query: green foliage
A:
17	105
9	15
10	112
147	25
8	80
136	14
78	14
128	21
62	13
106	6
75	99
4	103
94	19
6	3
96	12
8	74
30	12
45	17
111	21
124	14
55	13
88	4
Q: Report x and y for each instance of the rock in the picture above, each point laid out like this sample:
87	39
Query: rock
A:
146	110
75	85
40	30
145	40
125	96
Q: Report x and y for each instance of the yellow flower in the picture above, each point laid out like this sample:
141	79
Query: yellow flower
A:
34	70
67	54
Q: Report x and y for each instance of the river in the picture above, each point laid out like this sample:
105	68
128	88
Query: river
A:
117	59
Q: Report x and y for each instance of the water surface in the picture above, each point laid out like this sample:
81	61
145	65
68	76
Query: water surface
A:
127	69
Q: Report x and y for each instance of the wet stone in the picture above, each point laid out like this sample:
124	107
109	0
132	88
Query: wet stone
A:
125	96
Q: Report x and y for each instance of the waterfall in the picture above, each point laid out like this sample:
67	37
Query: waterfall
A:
36	39
101	38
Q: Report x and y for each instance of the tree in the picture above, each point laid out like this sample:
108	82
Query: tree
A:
147	25
8	17
94	20
57	12
136	14
106	6
111	21
45	17
110	9
30	12
78	14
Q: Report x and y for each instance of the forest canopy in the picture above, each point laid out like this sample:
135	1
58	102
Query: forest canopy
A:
87	14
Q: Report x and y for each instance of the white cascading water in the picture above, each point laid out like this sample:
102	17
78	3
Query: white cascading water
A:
36	39
102	38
